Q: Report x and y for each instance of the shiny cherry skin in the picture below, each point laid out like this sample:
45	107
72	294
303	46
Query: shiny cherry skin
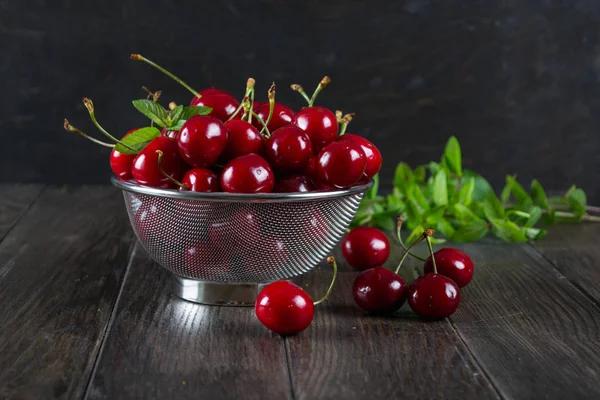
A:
319	123
434	296
145	169
341	164
201	140
453	263
293	183
284	308
282	116
242	139
248	174
311	171
201	180
365	247
379	290
223	105
288	149
120	163
168	133
212	91
371	151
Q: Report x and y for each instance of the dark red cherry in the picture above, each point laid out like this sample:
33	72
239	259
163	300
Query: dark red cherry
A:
294	183
247	174
212	91
311	171
319	123
365	247
145	168
288	149
282	116
379	290
121	163
169	133
371	152
453	263
284	308
434	296
242	139
201	180
149	220
201	140
341	164
223	105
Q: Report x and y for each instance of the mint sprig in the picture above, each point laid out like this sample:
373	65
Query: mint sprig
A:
173	119
462	205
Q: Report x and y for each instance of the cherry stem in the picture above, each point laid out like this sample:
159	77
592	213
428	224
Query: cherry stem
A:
331	261
160	157
399	222
298	88
271	95
90	107
155	96
322	85
265	128
407	251
345	120
585	217
71	128
428	238
139	57
249	88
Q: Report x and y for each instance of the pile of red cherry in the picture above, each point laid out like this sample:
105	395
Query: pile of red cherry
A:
287	309
250	147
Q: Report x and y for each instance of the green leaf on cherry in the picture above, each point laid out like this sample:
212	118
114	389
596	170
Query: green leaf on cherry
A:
175	115
137	140
154	111
190	111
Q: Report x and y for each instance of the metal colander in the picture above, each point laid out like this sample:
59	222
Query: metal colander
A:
239	238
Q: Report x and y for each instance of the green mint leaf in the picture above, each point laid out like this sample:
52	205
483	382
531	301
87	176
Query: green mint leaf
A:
154	111
465	194
482	187
434	215
550	217
505	194
508	231
415	234
414	213
137	140
415	192
539	195
558	201
577	201
517	191
437	241
175	116
440	189
419	174
492	207
190	111
446	228
517	216
384	221
452	156
395	204
177	126
403	176
534	233
464	213
434	168
471	232
372	192
534	216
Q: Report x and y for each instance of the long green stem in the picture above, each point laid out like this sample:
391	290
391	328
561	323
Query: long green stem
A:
249	89
298	88
399	222
90	107
160	157
331	261
139	57
407	251
259	119
271	95
428	238
70	128
322	85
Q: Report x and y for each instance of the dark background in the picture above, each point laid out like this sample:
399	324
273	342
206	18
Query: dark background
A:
516	81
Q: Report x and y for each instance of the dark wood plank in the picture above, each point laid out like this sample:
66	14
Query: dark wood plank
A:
574	250
14	201
161	347
60	271
533	332
346	354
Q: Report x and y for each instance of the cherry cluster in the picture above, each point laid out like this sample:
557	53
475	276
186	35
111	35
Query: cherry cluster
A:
248	146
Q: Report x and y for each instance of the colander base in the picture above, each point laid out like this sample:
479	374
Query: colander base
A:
219	293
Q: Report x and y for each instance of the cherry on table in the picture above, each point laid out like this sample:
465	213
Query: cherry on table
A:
371	151
453	263
341	164
284	308
282	115
293	183
223	105
319	123
434	296
201	140
379	290
365	247
200	180
247	174
145	168
288	149
242	139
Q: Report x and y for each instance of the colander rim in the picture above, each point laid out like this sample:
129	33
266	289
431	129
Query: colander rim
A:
129	186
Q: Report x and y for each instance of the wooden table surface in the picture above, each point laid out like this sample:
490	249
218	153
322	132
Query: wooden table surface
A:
86	314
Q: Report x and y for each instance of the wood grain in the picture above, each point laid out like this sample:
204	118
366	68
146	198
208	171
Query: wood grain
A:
14	201
347	354
161	347
60	271
574	249
533	332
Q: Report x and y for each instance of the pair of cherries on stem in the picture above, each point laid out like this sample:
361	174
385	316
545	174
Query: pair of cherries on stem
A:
286	308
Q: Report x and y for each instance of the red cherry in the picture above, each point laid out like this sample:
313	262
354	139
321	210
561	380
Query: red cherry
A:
379	290
223	105
212	91
319	123
453	263
284	308
121	163
311	171
242	229
434	296
168	133
288	149
149	217
247	174
201	140
242	139
341	164
282	115
201	180
145	168
294	183
365	247
371	152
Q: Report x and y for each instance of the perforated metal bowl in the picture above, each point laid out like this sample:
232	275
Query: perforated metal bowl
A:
221	247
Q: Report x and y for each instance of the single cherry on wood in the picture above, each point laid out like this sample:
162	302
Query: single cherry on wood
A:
452	263
248	174
371	151
365	247
379	290
288	149
146	170
201	140
341	163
